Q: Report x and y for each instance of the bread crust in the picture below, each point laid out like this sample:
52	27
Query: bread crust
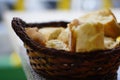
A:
35	35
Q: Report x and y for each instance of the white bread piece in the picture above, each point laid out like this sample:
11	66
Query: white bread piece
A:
64	36
105	17
67	37
72	34
109	42
89	37
57	44
51	32
35	35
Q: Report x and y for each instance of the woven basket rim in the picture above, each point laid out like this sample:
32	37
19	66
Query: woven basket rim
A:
18	26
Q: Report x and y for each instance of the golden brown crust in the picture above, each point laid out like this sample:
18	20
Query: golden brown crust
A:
72	38
35	35
112	29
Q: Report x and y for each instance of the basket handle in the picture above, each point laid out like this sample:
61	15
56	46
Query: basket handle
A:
18	26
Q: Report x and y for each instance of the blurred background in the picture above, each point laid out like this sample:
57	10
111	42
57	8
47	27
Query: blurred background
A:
37	10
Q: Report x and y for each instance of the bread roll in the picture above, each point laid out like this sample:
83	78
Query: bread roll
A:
64	36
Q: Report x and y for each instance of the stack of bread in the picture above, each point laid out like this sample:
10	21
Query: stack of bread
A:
98	30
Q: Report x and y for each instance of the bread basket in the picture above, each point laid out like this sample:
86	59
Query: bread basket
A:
55	64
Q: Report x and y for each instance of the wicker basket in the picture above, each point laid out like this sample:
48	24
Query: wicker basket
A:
64	65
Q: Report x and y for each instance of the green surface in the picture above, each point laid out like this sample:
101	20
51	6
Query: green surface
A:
10	72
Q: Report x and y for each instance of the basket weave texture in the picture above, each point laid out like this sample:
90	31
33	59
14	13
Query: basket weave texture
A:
64	65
